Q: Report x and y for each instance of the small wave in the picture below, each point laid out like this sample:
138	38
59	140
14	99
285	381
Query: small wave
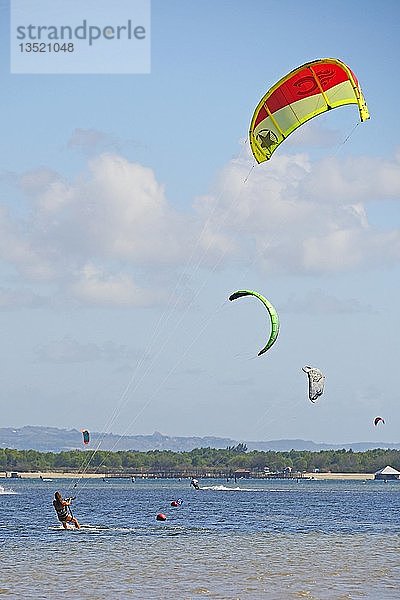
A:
223	488
92	528
6	492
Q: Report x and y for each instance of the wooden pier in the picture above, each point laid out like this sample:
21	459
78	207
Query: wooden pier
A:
198	474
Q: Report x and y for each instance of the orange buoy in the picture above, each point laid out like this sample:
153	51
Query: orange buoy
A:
161	517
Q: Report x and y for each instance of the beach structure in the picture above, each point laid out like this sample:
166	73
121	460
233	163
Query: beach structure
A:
245	473
388	473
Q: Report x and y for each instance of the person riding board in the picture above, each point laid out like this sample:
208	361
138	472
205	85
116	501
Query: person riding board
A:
195	483
64	515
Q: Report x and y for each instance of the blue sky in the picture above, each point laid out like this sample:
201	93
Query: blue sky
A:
126	222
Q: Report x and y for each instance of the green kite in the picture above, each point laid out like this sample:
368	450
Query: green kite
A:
272	314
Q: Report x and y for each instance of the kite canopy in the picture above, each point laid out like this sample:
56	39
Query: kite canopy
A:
377	420
316	382
302	94
86	436
272	313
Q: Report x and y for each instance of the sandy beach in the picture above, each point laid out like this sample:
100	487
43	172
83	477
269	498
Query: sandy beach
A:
345	476
53	475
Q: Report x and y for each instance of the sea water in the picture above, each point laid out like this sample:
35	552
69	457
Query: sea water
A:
247	540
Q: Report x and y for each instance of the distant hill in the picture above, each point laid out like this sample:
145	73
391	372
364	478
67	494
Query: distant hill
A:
53	439
287	445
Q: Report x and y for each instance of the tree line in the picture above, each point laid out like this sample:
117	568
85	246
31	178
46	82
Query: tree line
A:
200	460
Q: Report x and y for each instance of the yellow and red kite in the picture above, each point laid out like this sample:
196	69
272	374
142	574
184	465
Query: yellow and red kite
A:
304	93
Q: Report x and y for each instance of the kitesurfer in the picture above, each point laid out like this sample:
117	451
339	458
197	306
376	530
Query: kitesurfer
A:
61	506
195	483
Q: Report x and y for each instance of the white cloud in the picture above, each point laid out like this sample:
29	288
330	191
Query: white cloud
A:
17	248
130	218
353	180
104	237
95	236
98	288
304	216
350	248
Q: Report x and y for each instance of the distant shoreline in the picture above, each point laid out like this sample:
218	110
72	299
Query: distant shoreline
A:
58	475
51	475
344	476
